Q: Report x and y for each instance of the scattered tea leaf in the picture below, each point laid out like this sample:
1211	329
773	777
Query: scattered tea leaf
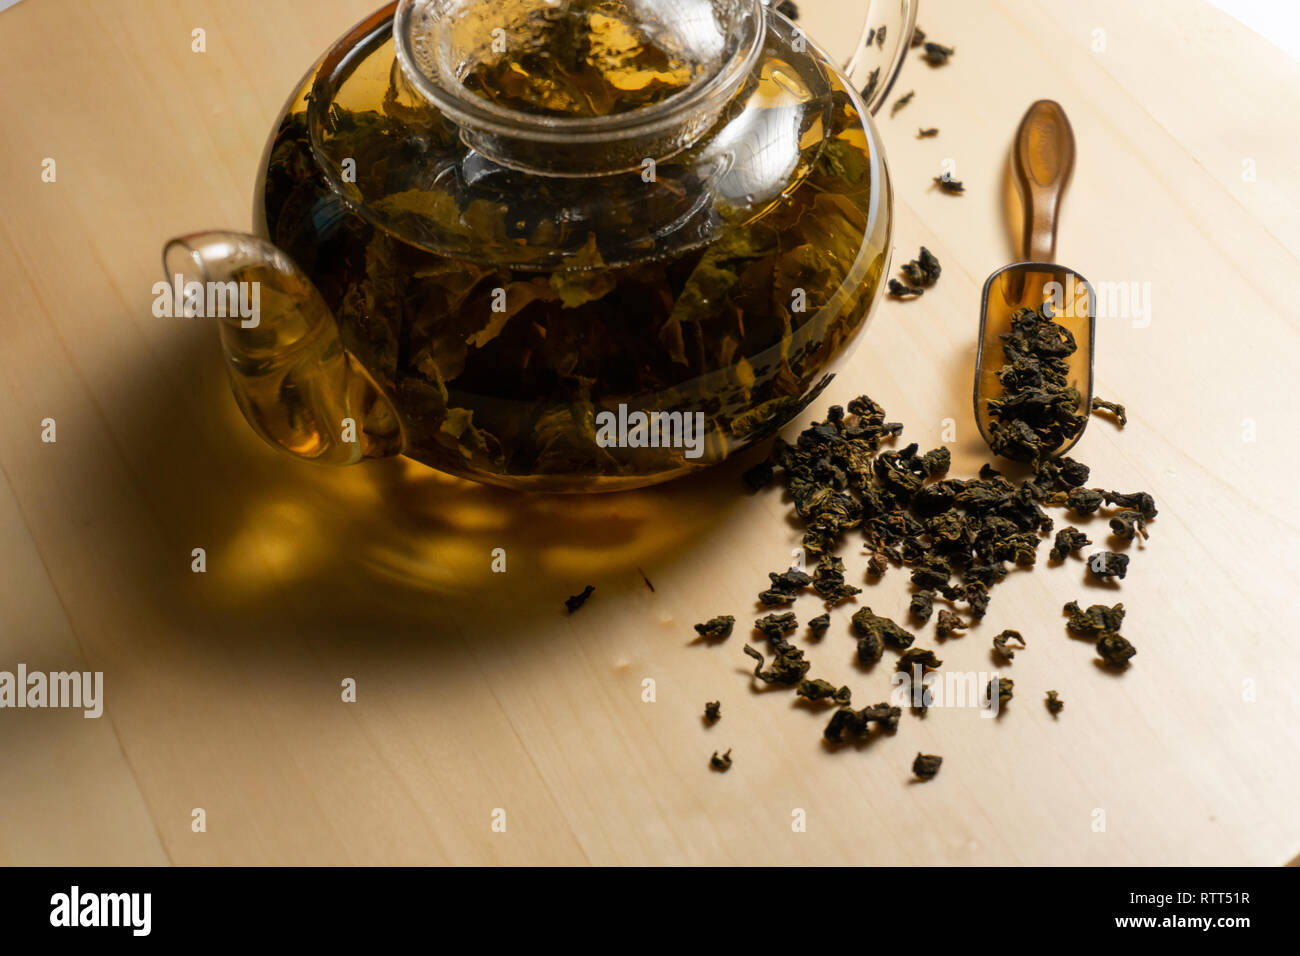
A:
847	722
819	689
901	102
1001	644
1139	501
758	477
788	666
925	766
1128	524
923	271
870	625
717	628
1068	541
786	586
900	291
817	626
1115	409
921	606
1097	619
1115	650
775	626
936	54
917	657
877	564
1002	688
873	81
948	625
1108	564
578	600
828	581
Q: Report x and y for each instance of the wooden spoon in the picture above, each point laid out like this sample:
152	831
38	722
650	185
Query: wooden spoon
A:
1042	162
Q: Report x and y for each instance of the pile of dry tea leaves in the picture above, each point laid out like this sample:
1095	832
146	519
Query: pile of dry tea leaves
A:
956	537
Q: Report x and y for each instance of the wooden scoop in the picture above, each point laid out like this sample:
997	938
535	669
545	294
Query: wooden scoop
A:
1042	161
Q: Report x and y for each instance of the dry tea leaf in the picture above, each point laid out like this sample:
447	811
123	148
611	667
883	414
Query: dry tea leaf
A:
1108	564
847	722
788	666
819	689
936	54
1117	410
1068	541
1000	644
717	628
925	766
578	600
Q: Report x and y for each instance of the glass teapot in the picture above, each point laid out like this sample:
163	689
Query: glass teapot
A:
558	245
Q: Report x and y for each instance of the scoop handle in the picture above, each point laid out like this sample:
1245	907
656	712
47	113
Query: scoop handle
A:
1044	161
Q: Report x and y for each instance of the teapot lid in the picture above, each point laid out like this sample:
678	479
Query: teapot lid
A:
418	124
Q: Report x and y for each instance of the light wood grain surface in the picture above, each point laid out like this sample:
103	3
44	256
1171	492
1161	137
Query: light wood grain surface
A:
475	690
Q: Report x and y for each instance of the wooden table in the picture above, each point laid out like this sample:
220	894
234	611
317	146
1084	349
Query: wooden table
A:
475	691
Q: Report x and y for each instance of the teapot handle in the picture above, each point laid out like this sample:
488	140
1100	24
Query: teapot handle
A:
874	67
295	382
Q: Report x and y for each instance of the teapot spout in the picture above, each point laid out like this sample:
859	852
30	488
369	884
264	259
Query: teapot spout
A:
295	382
